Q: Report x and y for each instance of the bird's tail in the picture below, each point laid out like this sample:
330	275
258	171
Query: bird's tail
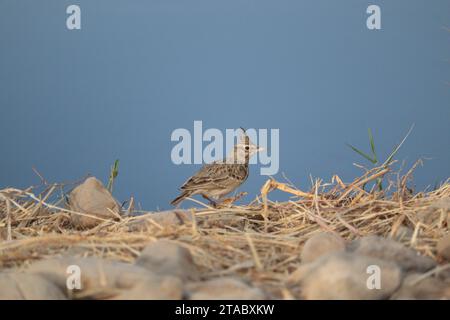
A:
181	197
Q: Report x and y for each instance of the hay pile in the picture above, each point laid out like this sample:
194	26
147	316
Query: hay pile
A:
260	242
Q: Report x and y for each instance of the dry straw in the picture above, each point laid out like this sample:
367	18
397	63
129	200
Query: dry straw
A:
259	242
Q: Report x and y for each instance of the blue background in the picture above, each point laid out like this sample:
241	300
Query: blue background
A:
74	101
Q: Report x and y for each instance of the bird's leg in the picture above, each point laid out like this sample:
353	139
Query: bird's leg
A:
229	201
239	196
211	202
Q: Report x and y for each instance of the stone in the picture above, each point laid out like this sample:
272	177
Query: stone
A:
346	276
95	272
92	198
443	247
22	286
102	278
227	288
391	250
436	214
321	244
443	203
403	234
413	287
165	288
165	257
162	219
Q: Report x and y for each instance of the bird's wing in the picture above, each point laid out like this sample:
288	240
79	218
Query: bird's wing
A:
210	175
239	172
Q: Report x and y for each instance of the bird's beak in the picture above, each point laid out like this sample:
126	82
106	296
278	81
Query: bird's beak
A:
260	149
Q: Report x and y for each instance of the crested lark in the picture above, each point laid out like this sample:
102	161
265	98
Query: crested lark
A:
217	179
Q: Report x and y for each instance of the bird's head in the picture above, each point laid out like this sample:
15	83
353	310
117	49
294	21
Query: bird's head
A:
245	149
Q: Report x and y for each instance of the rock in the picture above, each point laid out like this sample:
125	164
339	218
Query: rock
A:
432	216
427	288
403	234
443	203
168	258
223	289
92	198
163	219
321	244
95	272
346	276
443	247
167	288
443	274
391	250
103	279
21	286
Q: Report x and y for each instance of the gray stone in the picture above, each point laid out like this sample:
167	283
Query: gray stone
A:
321	244
403	234
21	286
168	258
95	272
436	213
414	286
103	279
443	247
92	198
164	288
346	276
163	219
443	203
391	250
223	289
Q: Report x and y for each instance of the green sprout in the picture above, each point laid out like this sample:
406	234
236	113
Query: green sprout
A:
113	175
373	158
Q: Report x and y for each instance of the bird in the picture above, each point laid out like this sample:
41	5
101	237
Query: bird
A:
217	179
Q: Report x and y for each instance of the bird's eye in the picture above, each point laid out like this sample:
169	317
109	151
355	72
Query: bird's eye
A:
247	148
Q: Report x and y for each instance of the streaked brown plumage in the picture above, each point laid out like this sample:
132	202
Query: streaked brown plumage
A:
217	179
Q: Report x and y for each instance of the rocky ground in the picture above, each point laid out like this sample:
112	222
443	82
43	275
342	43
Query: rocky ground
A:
303	250
165	270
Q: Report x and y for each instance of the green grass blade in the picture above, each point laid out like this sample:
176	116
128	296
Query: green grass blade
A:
113	175
372	145
362	153
394	152
116	168
380	184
